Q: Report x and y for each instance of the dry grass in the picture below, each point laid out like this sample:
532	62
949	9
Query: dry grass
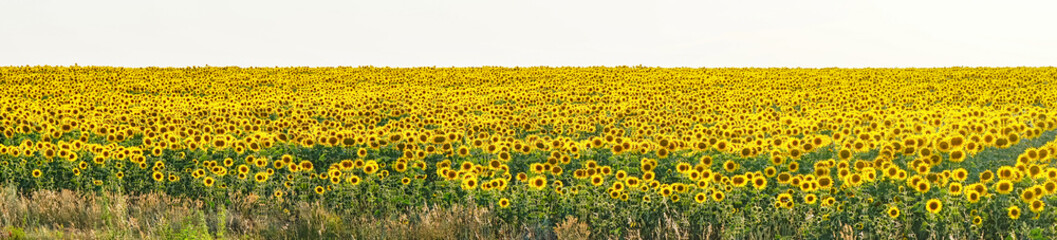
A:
64	214
73	215
572	229
68	214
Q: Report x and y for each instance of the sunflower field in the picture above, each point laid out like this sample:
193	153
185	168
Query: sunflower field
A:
628	151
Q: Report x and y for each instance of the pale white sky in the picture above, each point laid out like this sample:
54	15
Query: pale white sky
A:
848	33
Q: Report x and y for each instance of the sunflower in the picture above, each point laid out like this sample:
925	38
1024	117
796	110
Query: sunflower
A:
1027	195
362	152
922	186
891	172
469	183
219	171
960	174
646	176
647	167
759	183
538	182
934	206
619	186
661	153
783	178
632	181
958	155
718	196
893	212
810	198
1001	142
738	181
972	196
705	160
49	153
674	197
829	201
1037	206
463	151
503	155
795	154
158	176
1004	187
824	182
979	188
700	197
954	189
536	167
261	162
820	171
504	202
1007	172
36	173
925	152
208	181
730	166
844	154
770	171
260	177
1013	212
597	180
278	164
977	220
354	180
683	167
784	200
320	190
218	143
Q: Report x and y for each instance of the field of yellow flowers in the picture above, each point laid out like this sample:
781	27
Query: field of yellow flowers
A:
627	151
